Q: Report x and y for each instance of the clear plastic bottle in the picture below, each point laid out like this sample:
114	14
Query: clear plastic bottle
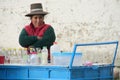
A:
25	56
13	57
39	54
44	55
7	56
2	50
33	57
55	48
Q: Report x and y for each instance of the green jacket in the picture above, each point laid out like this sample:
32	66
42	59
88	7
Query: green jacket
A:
47	39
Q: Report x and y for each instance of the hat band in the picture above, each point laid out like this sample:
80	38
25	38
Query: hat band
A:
36	10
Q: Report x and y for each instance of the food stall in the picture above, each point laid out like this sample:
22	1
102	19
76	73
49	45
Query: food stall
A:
60	72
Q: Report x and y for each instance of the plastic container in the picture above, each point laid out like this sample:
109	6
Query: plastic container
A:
2	59
2	56
44	55
34	59
55	48
64	58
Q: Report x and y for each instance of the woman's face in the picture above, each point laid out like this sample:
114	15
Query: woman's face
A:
37	20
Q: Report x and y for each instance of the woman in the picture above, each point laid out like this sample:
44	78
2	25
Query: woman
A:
37	34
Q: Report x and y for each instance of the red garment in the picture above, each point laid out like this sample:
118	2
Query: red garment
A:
39	31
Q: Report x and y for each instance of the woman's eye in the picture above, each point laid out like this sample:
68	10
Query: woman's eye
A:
40	17
35	17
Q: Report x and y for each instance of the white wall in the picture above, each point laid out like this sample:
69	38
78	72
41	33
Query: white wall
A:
74	21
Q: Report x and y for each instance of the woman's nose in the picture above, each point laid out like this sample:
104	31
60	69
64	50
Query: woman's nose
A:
38	19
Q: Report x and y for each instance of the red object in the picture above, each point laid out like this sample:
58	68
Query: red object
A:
33	52
39	31
49	53
88	64
2	59
54	42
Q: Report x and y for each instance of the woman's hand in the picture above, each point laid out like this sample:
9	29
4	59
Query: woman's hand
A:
39	37
30	47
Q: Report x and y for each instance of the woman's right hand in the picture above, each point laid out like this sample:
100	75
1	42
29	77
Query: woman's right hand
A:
39	37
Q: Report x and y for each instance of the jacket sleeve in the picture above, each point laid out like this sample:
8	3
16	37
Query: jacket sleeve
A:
47	39
25	40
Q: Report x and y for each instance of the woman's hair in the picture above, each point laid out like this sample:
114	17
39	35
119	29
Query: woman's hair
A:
33	15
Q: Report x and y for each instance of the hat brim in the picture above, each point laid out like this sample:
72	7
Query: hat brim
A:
36	13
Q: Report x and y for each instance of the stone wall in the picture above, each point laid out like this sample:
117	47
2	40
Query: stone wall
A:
74	21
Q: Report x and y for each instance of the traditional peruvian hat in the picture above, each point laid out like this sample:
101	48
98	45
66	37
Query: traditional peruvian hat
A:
36	9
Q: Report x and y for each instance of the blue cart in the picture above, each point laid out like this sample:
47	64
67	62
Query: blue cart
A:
36	72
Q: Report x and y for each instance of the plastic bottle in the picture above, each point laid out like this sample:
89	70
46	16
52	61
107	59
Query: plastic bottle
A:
55	48
7	56
14	56
2	51
33	57
39	54
44	55
2	56
25	56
